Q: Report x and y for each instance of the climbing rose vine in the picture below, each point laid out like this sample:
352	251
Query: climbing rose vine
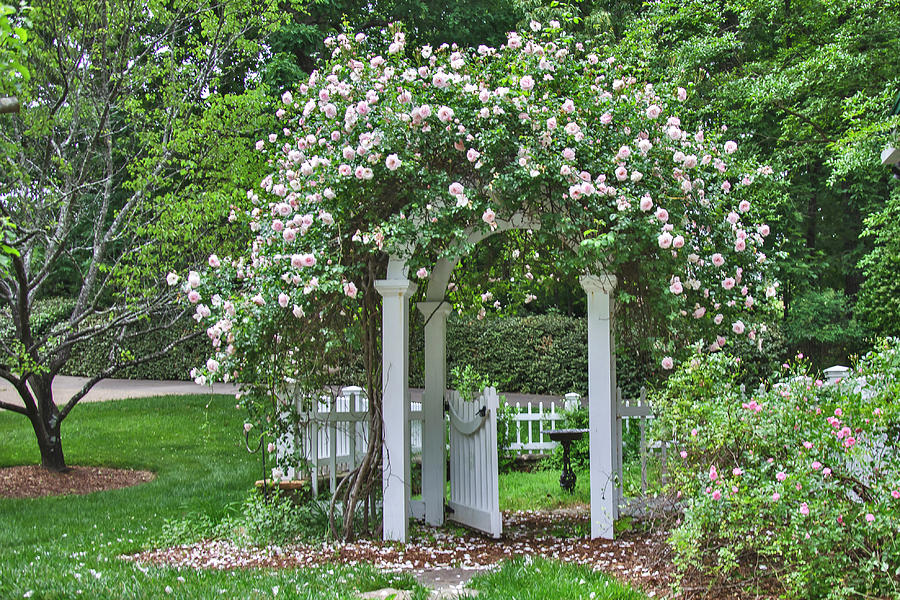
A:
390	150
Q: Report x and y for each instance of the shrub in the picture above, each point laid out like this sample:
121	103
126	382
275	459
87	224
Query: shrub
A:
820	324
90	358
802	479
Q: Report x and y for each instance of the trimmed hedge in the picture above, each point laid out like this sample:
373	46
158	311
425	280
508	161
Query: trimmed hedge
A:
539	354
87	359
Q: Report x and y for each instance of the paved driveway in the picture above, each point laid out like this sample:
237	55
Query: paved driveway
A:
111	389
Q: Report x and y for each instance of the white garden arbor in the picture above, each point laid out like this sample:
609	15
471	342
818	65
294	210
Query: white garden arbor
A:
396	291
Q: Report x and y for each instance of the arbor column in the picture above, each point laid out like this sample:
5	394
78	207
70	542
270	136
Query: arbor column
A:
395	480
434	459
601	402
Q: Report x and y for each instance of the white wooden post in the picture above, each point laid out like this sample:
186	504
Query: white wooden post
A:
434	459
601	402
395	481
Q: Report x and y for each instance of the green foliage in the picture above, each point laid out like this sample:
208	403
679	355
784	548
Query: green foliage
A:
877	305
468	382
820	324
14	26
815	82
801	478
278	519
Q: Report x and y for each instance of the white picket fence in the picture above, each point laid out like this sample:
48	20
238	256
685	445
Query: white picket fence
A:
529	421
332	436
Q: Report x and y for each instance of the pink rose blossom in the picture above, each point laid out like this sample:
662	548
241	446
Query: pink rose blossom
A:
730	147
283	300
737	327
422	273
668	363
804	509
781	476
717	495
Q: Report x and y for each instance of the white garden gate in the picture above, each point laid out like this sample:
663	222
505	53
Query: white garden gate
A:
474	481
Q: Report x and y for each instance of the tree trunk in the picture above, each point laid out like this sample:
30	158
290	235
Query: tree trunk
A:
50	443
47	424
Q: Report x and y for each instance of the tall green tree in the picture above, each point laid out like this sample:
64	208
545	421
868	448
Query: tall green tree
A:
811	82
124	128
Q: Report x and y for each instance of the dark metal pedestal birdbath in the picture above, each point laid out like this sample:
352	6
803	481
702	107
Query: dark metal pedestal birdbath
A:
566	437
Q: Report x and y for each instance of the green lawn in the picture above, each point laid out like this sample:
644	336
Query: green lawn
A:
540	490
67	547
539	579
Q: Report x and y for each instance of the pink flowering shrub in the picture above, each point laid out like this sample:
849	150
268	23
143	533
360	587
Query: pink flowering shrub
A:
388	151
800	482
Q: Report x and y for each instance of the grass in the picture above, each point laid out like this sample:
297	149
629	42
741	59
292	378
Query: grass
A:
539	579
67	547
540	489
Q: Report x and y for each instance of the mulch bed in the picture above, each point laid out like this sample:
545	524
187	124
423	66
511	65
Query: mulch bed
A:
641	558
34	481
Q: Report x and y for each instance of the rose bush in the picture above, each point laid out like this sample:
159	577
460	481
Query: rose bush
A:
388	150
800	482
